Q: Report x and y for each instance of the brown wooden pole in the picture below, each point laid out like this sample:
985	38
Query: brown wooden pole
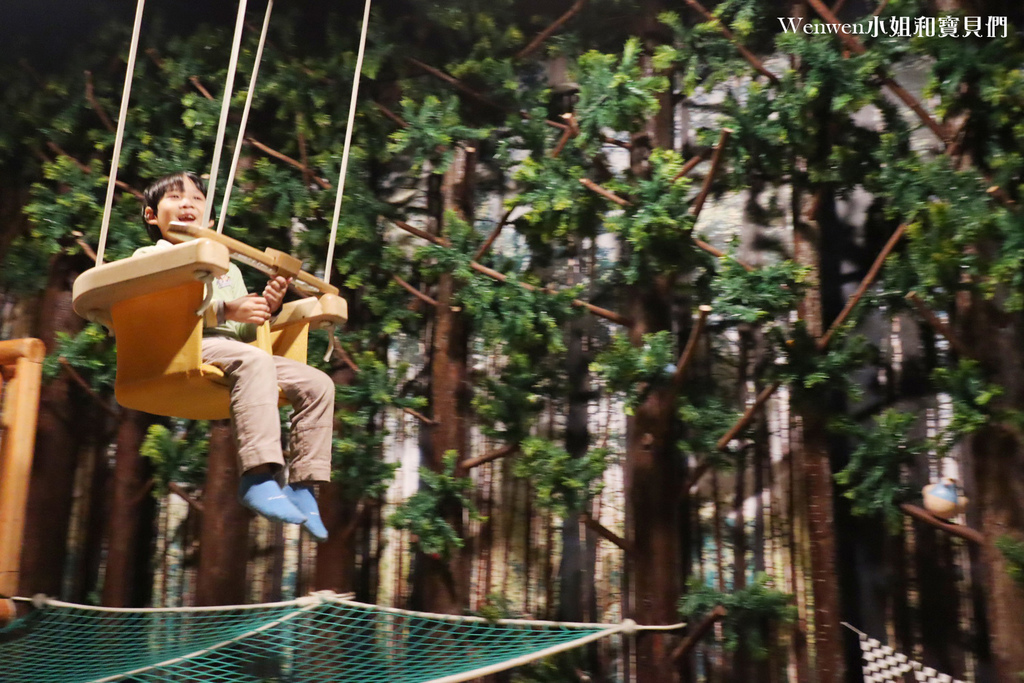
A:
488	457
937	324
698	633
22	360
964	532
748	415
605	533
691	344
747	54
500	277
550	30
872	273
716	159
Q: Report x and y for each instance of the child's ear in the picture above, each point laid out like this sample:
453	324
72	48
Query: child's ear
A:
150	216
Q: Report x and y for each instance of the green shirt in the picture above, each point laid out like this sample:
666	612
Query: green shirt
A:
227	287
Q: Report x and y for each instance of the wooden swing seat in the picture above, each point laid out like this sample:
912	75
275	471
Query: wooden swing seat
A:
150	302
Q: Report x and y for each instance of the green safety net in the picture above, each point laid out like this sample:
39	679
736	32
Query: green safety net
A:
317	638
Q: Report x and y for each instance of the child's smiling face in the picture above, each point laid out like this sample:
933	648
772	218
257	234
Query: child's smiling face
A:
183	205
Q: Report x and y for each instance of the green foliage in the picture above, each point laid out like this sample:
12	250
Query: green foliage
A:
657	222
812	373
424	513
358	461
758	295
434	127
90	353
564	484
972	395
631	370
705	420
875	478
1013	551
177	453
749	611
614	92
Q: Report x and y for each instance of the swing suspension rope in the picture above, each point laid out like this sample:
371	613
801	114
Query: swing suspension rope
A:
222	126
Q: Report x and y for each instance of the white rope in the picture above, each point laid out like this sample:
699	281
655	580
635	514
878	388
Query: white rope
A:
119	136
245	119
526	659
225	107
348	143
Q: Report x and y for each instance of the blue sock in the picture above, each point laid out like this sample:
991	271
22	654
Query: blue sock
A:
262	494
302	497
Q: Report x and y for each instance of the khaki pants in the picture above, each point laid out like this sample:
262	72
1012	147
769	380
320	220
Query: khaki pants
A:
255	377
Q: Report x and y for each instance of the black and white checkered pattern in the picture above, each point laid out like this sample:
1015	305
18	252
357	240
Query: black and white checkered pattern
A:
882	663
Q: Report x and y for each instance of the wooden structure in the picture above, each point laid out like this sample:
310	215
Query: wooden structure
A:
21	365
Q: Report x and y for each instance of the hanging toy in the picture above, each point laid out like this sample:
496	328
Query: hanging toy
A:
943	500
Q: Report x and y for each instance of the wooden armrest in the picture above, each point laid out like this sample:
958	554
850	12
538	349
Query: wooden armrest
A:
328	309
295	312
96	290
270	262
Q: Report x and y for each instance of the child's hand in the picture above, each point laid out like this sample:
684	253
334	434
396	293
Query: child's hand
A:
275	290
248	309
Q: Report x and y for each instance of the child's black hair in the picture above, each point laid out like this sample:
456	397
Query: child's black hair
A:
156	191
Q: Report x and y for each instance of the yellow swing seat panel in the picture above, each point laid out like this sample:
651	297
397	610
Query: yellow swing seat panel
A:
151	301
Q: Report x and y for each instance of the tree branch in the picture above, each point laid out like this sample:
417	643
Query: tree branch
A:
607	194
398	120
415	292
80	381
863	287
90	95
500	277
347	358
937	324
184	495
326	185
899	91
569	132
698	633
747	54
550	30
605	533
485	247
748	415
691	345
691	164
508	449
716	158
454	82
964	532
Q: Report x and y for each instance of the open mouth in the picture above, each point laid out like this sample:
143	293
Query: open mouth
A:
187	217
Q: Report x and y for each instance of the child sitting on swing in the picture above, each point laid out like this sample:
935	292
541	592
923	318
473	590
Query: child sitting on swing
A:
255	375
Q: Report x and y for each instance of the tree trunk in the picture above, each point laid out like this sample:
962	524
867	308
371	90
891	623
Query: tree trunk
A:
336	559
997	457
58	441
224	531
439	584
653	484
131	507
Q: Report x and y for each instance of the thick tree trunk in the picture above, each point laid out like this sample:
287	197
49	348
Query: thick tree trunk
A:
653	485
442	584
817	469
58	441
997	456
224	531
131	507
336	559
